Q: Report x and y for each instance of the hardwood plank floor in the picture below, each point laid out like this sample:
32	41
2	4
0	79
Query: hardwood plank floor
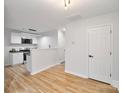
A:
53	80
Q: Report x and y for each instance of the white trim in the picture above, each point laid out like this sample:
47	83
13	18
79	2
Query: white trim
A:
80	75
94	26
115	84
35	72
7	65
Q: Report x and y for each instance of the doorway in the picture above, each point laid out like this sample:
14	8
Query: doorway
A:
100	53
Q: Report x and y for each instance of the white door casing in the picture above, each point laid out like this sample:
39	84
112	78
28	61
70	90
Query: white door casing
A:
100	53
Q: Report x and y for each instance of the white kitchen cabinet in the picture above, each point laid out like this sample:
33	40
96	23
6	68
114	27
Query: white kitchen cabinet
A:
34	40
15	38
16	58
26	35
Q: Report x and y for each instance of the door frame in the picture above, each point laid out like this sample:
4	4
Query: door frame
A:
111	46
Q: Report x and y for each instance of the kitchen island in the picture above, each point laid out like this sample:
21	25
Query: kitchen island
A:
41	59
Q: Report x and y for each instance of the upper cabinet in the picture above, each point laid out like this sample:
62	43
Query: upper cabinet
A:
27	35
34	40
16	37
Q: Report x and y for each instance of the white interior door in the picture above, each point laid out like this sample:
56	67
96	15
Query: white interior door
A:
100	53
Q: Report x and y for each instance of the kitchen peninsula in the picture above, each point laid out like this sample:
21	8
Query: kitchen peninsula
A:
41	59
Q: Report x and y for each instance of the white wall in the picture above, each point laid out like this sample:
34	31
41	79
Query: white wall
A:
61	39
56	39
7	37
61	45
48	38
75	54
76	44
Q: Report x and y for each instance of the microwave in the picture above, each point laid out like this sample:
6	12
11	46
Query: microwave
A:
26	41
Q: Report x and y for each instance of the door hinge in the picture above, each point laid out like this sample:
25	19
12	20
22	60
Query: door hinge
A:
110	75
110	53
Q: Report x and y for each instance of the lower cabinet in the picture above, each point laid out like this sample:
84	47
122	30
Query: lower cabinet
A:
16	58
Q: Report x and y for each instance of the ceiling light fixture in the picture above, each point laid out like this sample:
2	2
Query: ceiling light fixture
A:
67	3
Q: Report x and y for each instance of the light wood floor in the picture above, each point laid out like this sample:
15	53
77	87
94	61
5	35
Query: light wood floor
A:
53	80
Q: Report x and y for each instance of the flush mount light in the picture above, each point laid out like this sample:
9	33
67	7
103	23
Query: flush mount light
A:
67	3
32	29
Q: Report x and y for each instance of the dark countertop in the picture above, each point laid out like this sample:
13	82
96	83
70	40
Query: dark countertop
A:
20	51
15	51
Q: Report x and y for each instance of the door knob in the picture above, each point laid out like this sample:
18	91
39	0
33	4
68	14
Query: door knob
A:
90	56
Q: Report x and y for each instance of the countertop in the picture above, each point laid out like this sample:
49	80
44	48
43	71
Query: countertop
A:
20	51
15	52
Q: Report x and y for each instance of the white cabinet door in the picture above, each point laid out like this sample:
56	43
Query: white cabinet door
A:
16	58
34	40
15	38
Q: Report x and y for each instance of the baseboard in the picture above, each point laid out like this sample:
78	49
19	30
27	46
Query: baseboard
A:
115	84
12	65
7	65
35	72
80	75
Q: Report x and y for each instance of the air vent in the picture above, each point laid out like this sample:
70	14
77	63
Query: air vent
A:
32	30
74	17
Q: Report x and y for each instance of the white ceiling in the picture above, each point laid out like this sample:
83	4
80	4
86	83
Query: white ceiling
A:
47	15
